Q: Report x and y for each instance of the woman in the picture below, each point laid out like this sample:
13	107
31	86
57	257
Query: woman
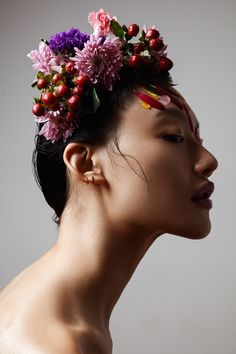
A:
119	158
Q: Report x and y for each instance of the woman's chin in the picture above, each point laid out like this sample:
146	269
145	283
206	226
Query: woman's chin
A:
195	232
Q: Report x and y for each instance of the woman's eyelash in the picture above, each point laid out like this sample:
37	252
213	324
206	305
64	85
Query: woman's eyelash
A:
174	138
200	140
179	138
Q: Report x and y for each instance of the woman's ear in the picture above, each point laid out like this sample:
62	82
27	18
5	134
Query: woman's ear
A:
78	158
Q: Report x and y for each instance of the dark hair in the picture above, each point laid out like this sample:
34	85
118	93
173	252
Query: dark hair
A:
48	166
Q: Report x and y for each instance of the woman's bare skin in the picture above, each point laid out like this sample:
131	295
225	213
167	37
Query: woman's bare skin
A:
62	303
38	326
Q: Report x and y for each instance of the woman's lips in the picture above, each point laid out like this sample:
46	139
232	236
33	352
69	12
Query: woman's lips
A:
203	202
201	197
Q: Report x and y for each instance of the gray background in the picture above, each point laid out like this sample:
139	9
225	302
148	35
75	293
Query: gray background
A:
181	298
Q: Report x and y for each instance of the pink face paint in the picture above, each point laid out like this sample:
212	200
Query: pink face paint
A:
189	117
176	101
172	96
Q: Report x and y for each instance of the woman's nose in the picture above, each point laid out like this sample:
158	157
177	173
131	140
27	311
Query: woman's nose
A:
206	164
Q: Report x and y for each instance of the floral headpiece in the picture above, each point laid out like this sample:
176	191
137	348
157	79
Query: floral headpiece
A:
72	64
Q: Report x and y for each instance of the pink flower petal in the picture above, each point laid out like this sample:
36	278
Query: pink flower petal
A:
44	59
165	100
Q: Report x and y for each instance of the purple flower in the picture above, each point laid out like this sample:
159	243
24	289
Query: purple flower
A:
56	126
100	60
64	42
44	59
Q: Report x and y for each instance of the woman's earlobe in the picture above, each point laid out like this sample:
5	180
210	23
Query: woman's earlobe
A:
95	177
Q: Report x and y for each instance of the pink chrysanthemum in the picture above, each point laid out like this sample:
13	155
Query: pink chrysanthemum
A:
56	126
44	59
100	60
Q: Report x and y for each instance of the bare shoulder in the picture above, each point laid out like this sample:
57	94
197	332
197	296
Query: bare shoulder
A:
54	338
52	342
30	322
82	341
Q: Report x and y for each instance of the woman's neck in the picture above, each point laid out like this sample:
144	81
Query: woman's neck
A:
95	260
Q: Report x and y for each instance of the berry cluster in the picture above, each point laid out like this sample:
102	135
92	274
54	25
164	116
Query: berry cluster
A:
149	50
61	91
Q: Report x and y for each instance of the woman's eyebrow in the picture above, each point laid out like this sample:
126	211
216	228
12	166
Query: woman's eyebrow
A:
175	113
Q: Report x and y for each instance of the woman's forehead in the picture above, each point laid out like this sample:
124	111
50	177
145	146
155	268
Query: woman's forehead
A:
181	114
188	108
177	107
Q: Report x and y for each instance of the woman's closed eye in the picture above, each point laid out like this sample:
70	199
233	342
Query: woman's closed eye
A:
175	138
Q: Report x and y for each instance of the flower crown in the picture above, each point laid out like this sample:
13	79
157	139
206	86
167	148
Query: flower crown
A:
73	64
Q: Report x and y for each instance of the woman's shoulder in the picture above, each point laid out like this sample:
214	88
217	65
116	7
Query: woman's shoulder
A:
34	331
27	323
54	341
54	338
30	321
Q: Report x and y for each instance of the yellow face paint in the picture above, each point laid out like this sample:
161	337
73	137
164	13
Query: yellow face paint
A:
145	105
154	95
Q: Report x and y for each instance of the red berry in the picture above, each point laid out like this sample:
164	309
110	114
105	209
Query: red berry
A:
156	43
73	102
133	30
165	64
152	33
56	78
78	90
70	67
42	83
38	109
138	48
82	80
48	98
135	60
62	90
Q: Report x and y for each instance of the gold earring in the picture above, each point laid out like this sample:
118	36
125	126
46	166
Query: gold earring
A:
89	179
85	179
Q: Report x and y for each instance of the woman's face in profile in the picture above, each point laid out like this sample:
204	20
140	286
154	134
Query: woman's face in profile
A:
161	145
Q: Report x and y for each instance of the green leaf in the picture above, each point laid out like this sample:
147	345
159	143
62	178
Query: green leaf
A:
40	75
125	28
95	101
116	28
131	48
127	37
91	101
142	35
37	100
34	83
53	72
63	71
